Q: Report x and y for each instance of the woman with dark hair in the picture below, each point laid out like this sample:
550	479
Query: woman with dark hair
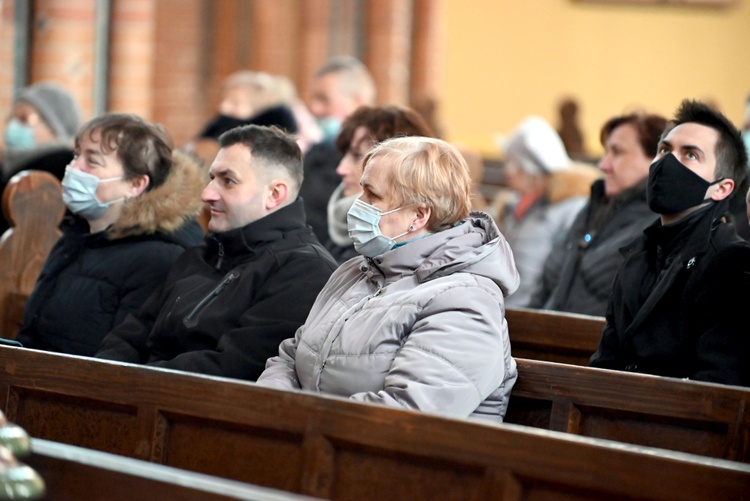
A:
361	131
580	270
133	202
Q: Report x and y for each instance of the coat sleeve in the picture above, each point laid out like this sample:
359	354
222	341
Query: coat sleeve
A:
455	356
281	309
609	354
146	276
722	349
127	342
280	372
145	292
550	275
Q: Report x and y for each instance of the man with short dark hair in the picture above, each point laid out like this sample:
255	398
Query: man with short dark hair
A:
678	302
227	305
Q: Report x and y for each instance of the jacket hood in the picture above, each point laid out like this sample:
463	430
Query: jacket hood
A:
474	246
165	208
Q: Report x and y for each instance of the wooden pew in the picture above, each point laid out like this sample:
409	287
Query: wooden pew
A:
689	416
32	204
329	447
553	336
73	473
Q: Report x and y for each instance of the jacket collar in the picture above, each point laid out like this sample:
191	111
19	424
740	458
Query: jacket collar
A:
697	229
249	238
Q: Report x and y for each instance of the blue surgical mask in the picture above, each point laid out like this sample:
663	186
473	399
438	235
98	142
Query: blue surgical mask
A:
79	194
19	135
746	140
330	127
363	221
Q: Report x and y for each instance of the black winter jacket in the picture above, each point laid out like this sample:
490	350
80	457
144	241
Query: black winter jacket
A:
320	180
679	308
579	271
90	282
226	306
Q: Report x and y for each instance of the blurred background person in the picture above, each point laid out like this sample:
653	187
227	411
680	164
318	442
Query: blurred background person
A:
580	270
39	132
133	202
569	129
417	321
308	130
340	86
248	97
361	131
549	192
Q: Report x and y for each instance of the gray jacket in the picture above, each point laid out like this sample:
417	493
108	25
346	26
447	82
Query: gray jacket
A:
533	237
579	272
421	327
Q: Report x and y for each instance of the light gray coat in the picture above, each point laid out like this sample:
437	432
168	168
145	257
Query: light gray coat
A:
421	326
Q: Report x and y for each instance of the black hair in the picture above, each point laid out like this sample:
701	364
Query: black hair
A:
731	155
270	145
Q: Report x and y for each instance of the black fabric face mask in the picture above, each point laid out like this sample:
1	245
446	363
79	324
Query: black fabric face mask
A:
673	188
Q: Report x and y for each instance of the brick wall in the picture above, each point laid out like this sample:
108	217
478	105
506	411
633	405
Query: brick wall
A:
62	47
178	90
6	57
168	58
131	60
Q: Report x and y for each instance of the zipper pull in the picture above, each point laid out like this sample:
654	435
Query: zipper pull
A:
221	256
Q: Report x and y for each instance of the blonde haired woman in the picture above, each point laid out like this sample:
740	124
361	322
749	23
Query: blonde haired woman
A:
417	321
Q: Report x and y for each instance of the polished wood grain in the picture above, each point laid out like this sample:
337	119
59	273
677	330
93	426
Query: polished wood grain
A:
690	416
32	204
553	336
332	448
76	474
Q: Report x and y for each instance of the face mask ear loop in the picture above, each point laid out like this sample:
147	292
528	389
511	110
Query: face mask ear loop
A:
709	199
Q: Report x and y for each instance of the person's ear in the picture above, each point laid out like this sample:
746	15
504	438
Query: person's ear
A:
722	190
278	191
423	213
138	184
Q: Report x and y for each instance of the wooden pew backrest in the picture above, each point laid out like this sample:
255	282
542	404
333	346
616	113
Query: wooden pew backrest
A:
690	416
333	448
76	474
33	206
553	336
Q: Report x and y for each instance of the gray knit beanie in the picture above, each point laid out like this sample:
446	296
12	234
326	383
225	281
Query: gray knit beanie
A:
56	106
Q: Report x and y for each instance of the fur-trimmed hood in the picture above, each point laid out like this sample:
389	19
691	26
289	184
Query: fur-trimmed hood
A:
165	208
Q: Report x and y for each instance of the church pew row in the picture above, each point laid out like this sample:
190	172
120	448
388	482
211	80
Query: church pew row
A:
553	336
73	473
689	416
332	448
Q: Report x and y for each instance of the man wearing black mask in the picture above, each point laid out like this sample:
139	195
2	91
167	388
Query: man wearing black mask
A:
677	305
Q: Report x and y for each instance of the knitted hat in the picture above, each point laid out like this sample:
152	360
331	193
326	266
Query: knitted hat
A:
56	106
536	147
